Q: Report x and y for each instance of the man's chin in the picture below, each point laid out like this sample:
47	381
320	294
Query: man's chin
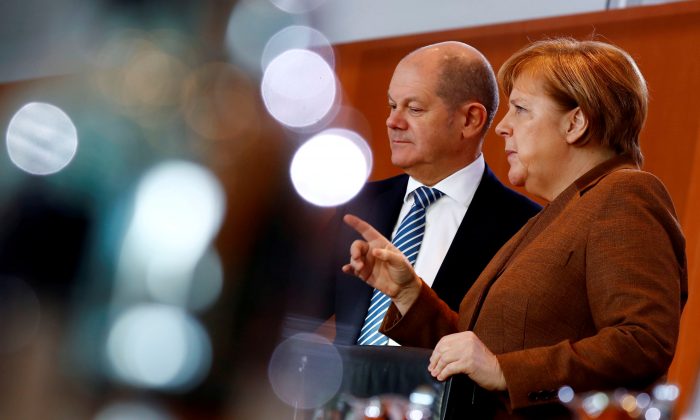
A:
401	163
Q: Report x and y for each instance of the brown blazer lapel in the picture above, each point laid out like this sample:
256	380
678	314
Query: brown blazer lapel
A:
528	233
492	271
502	260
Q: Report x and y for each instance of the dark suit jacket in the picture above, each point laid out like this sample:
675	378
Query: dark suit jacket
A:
588	294
494	215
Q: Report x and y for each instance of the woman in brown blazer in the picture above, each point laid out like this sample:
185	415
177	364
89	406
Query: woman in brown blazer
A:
589	292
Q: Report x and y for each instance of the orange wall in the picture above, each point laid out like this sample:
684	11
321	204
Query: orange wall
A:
665	41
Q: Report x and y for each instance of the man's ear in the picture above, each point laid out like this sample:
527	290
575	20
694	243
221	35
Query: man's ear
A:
475	116
575	125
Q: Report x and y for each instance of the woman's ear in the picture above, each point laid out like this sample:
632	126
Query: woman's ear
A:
475	116
576	124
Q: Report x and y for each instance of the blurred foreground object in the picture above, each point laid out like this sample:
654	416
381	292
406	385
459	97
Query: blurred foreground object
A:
622	404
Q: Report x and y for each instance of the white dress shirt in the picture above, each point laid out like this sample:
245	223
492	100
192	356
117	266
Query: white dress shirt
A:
443	217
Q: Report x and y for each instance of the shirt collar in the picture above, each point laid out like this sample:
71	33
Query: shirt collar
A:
460	186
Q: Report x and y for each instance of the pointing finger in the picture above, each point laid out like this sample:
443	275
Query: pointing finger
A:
363	228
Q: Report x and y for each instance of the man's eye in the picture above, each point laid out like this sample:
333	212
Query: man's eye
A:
415	110
519	109
392	106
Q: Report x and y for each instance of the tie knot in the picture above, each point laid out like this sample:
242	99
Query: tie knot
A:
425	196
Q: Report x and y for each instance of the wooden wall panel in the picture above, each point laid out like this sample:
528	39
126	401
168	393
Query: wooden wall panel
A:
665	41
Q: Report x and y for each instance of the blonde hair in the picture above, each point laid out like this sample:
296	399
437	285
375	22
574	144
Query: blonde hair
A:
601	79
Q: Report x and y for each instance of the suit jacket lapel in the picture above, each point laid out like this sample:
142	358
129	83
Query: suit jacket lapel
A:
387	206
382	211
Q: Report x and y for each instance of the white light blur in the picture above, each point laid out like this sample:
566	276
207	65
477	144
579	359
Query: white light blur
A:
358	141
305	371
329	169
158	346
179	208
422	396
415	414
595	404
373	411
20	312
668	392
41	139
299	88
652	414
297	6
131	411
566	394
297	37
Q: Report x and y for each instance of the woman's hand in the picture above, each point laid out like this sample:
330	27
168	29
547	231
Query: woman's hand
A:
465	353
381	265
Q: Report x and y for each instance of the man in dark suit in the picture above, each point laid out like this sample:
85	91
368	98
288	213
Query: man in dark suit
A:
442	101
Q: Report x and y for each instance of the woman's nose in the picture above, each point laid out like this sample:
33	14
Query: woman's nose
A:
503	129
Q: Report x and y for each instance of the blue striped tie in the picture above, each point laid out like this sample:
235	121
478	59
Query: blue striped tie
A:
408	239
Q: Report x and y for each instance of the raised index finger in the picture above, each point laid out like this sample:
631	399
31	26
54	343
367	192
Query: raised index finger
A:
363	228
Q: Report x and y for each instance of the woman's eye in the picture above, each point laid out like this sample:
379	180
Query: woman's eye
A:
519	109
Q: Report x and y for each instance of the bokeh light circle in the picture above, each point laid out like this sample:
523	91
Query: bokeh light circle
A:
305	371
158	346
299	88
179	207
297	37
329	169
566	394
41	139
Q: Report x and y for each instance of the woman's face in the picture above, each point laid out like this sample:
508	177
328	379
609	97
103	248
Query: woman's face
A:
534	129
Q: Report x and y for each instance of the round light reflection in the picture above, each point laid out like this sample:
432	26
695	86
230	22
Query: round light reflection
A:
305	371
652	414
566	394
297	37
41	139
298	88
158	346
179	208
329	169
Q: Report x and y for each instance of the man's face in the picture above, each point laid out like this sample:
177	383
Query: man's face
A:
424	135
